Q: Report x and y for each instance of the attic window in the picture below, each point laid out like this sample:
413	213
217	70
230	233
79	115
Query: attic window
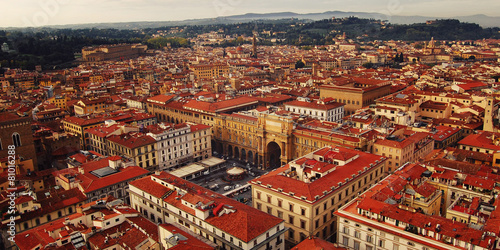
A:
291	193
280	189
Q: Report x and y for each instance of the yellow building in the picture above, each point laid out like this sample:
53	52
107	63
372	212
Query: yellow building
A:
312	135
98	54
139	147
402	149
59	101
92	106
307	191
96	78
355	92
77	126
210	71
22	166
264	140
467	210
47	81
270	139
423	197
53	205
202	141
450	183
435	110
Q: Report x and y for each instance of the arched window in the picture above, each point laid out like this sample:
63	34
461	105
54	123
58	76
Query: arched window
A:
49	218
59	214
70	210
37	221
16	139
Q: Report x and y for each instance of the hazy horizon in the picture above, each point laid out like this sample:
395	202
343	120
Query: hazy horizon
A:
31	13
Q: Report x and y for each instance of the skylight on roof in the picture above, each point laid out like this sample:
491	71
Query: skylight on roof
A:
105	171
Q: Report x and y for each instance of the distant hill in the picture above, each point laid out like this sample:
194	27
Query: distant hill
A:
55	47
482	20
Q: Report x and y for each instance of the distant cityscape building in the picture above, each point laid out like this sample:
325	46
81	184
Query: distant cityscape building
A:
99	54
351	113
5	47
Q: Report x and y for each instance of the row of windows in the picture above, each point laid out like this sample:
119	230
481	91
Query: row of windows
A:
433	111
48	217
16	140
194	220
351	190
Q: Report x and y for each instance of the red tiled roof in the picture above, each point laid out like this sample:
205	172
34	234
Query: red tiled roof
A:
41	235
314	243
148	226
373	201
132	140
57	200
479	182
90	182
221	106
191	243
161	98
482	139
246	223
131	238
196	127
316	188
444	132
23	199
151	187
434	105
244	117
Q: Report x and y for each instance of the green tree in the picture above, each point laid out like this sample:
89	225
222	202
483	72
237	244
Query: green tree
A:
299	64
368	65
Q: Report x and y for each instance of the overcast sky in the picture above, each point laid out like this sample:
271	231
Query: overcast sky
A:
22	13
